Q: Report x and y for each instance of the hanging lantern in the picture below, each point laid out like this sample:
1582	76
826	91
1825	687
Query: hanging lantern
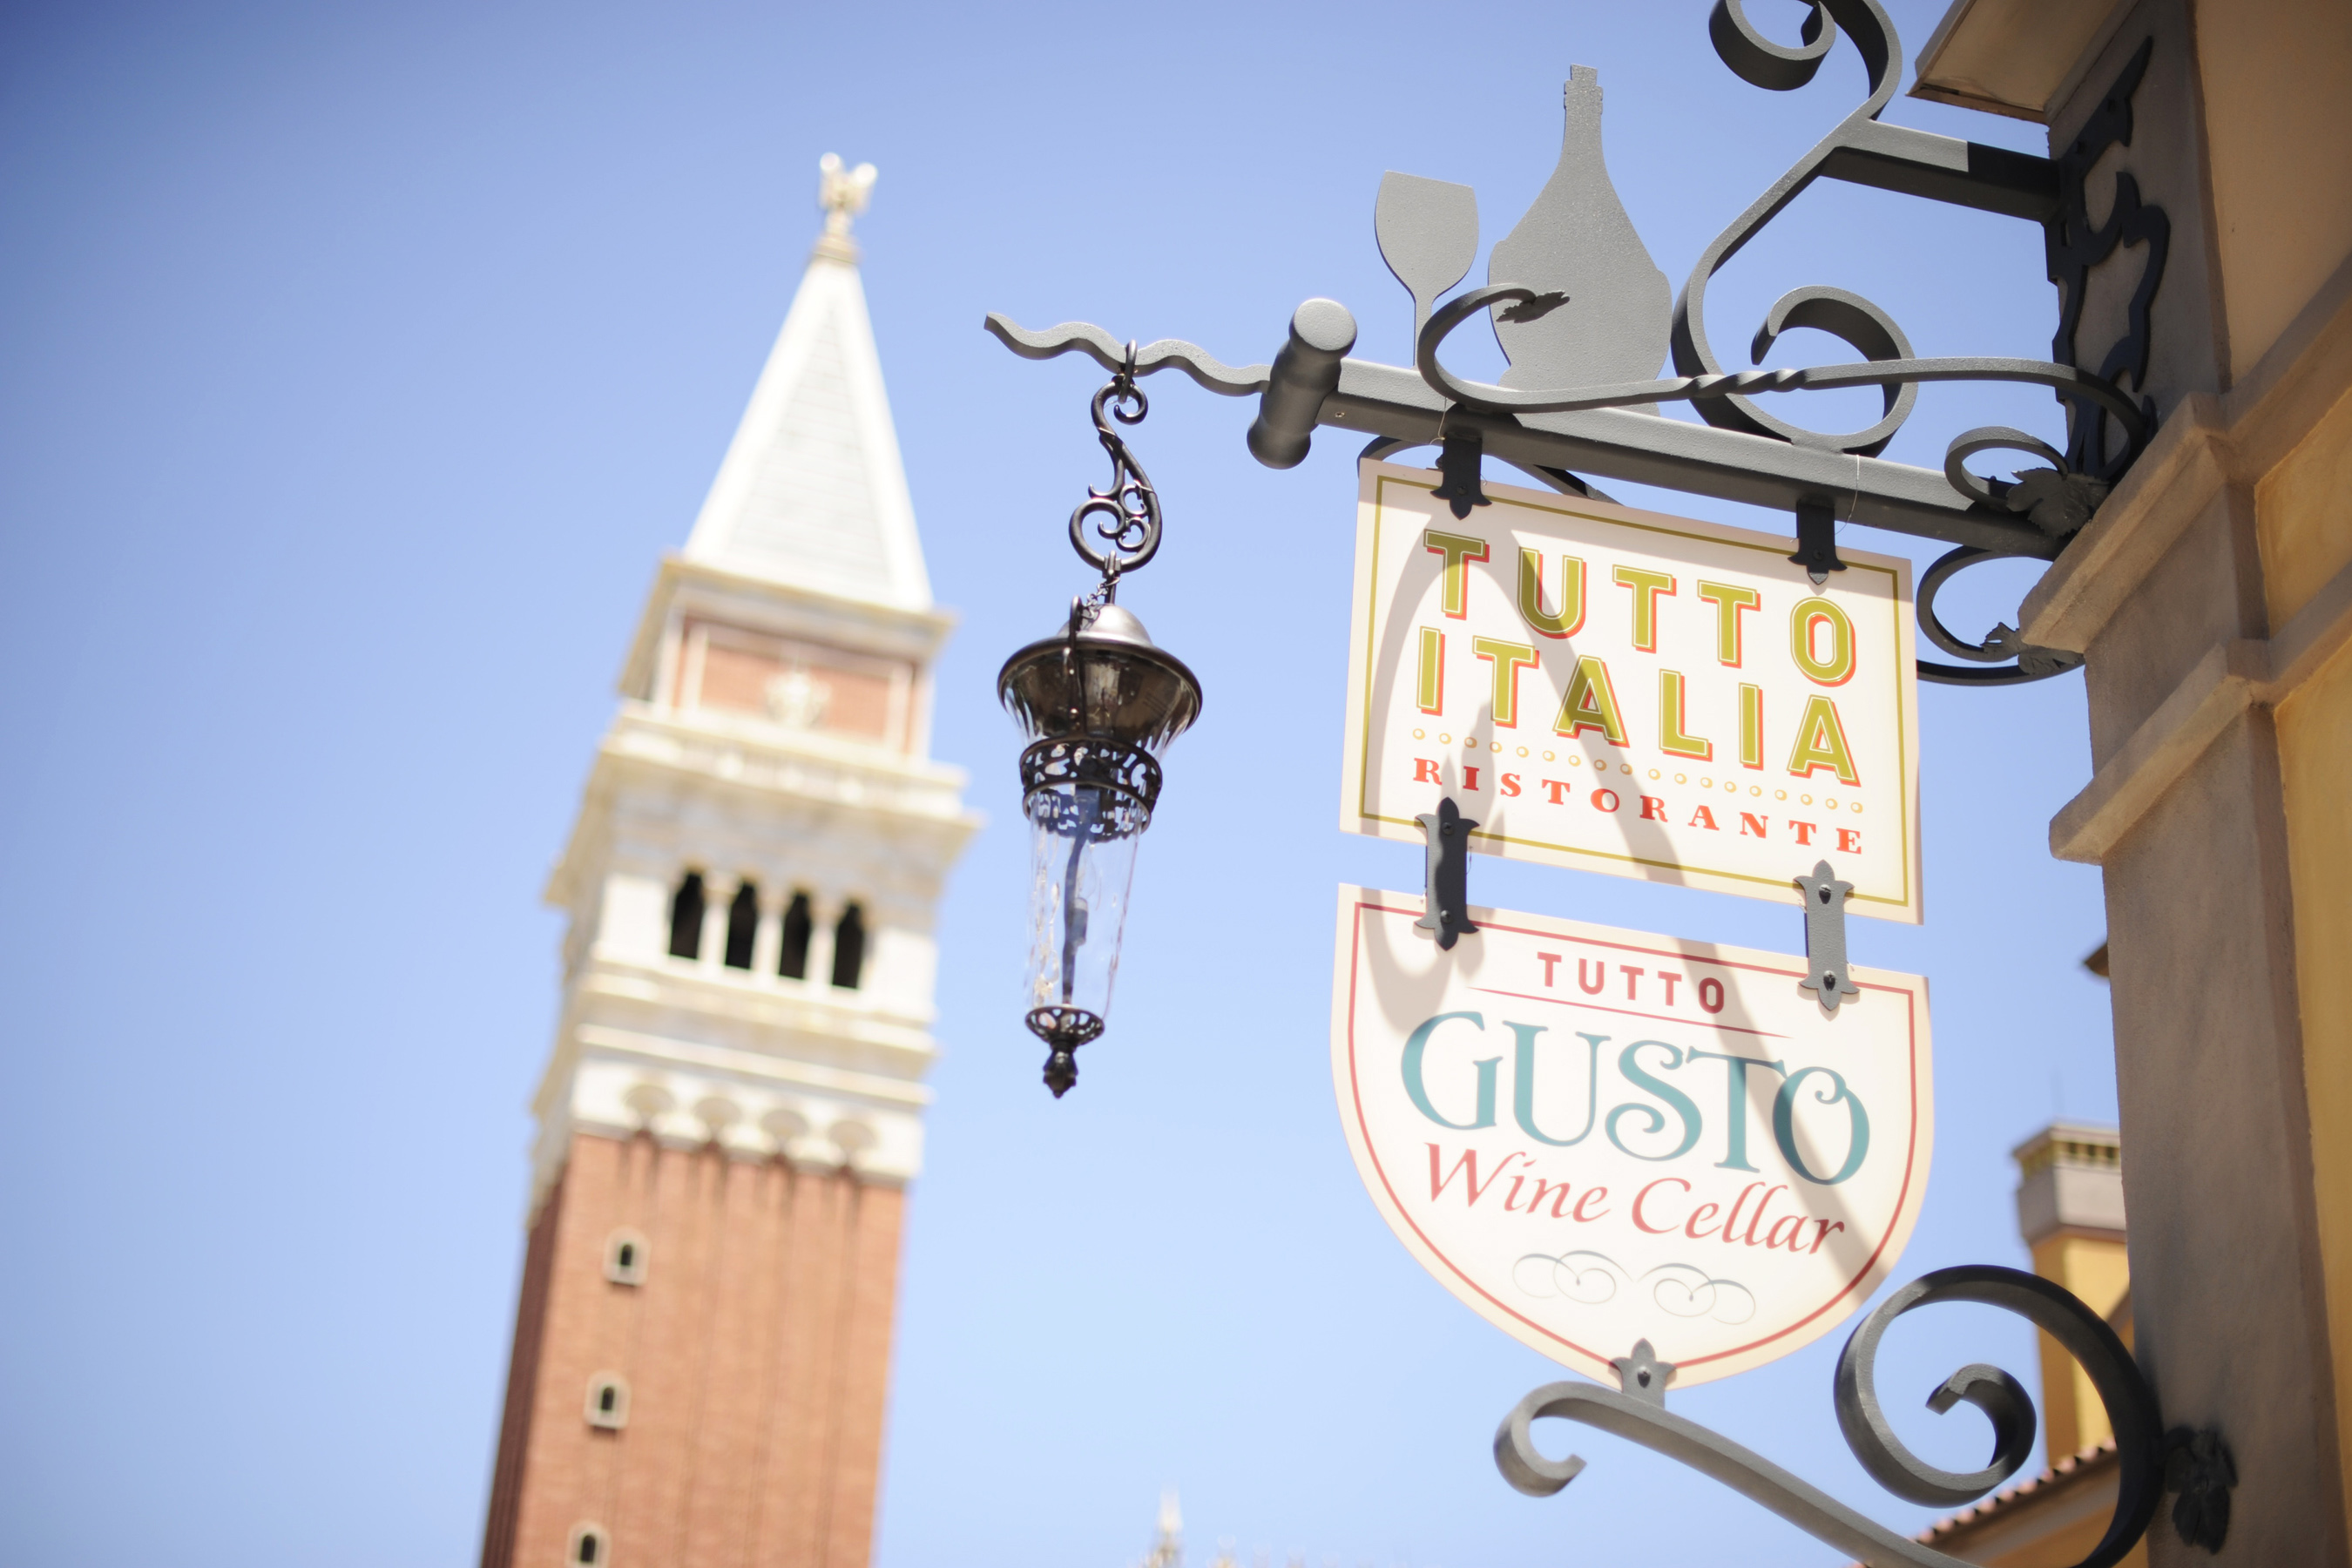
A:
1099	700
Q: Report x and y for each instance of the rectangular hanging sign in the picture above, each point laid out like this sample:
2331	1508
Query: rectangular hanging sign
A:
1593	1137
1628	692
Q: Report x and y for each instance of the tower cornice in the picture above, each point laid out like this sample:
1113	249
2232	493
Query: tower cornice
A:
782	608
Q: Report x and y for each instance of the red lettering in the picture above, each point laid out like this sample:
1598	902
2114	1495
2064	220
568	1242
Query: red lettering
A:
1710	994
1804	830
1510	1205
1559	1190
1549	961
1425	772
1631	975
1728	1220
1510	783
1827	1225
1704	818
1590	1193
1699	1216
1642	1196
1849	840
1558	789
1612	800
1750	1237
1753	827
1796	1224
1600	977
1469	1159
1469	776
1652	809
1670	980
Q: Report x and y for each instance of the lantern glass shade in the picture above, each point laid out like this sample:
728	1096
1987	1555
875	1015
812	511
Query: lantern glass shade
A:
1082	843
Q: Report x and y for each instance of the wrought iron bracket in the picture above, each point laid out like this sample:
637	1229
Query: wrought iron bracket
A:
1580	304
1446	900
1643	1418
1825	899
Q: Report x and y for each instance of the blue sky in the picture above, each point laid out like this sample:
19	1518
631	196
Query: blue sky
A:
357	365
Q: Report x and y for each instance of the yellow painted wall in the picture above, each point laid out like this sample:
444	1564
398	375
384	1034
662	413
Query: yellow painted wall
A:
2278	131
2314	728
2303	515
2098	1270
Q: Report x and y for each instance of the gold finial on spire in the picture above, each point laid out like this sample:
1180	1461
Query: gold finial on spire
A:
843	194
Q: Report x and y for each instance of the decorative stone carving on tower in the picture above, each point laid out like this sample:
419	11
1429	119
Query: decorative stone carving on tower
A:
733	1106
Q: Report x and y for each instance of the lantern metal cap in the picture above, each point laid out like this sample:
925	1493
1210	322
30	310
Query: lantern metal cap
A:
1101	675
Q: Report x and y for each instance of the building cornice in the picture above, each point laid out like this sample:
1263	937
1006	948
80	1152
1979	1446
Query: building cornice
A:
2019	58
918	800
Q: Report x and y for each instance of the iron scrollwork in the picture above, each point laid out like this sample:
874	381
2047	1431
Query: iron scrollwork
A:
1639	1415
2073	248
1126	513
1579	309
2059	500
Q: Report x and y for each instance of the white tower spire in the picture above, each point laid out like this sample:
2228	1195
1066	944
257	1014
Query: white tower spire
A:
812	491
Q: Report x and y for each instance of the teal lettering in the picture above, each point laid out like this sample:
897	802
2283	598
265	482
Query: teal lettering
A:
1672	1096
1416	1044
1735	1073
1784	1125
1523	1085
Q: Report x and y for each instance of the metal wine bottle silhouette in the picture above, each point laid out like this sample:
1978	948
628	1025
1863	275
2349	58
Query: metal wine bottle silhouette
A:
1576	239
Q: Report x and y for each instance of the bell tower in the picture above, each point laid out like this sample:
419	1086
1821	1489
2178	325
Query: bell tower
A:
733	1108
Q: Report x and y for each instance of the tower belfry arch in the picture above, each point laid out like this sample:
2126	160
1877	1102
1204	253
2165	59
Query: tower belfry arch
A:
732	1110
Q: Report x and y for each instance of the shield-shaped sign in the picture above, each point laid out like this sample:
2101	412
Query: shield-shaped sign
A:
1594	1136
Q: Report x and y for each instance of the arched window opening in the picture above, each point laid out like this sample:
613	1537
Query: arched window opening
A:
799	926
625	1257
849	948
608	1401
742	925
588	1546
686	918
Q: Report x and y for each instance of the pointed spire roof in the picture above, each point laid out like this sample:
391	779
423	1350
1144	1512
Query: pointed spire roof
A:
812	491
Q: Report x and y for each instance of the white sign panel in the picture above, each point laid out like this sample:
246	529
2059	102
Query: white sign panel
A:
1622	692
1595	1136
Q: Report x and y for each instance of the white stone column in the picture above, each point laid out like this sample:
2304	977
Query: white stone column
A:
768	940
824	909
715	902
